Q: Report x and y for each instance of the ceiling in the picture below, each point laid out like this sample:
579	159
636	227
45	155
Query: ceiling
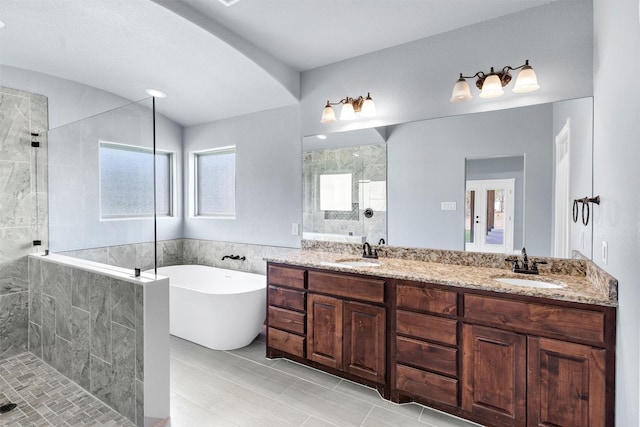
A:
215	61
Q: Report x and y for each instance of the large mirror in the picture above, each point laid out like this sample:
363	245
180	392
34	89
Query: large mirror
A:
436	168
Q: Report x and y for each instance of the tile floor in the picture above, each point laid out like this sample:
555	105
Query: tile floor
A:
215	388
244	388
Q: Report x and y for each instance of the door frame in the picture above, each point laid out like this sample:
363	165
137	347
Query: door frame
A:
481	185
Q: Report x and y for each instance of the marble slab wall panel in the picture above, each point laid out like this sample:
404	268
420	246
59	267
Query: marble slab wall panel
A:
22	213
90	328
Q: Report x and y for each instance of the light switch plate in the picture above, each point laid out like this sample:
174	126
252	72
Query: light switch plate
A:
448	206
605	252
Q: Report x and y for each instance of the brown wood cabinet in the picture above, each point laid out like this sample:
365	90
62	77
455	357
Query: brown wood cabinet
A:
343	334
286	311
495	375
566	384
497	359
426	344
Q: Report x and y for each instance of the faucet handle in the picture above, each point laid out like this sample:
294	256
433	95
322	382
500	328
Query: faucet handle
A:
516	265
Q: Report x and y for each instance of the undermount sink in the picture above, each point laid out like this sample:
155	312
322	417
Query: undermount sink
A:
352	263
529	283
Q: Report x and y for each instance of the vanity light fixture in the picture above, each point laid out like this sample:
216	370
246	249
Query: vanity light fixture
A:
350	109
491	84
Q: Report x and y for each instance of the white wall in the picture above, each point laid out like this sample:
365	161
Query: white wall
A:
426	166
268	177
616	154
75	112
414	81
68	101
580	114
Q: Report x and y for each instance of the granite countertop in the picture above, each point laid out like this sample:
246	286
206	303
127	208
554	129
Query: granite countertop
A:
578	287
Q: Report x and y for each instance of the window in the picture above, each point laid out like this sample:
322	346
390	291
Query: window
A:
215	178
335	192
126	181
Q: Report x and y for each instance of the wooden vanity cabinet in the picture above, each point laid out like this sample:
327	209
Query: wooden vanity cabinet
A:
343	333
426	363
286	311
532	363
497	359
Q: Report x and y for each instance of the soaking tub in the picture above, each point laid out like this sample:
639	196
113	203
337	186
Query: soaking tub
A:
216	308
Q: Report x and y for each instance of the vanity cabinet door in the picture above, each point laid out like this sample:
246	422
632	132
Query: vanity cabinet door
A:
364	341
324	330
566	384
494	376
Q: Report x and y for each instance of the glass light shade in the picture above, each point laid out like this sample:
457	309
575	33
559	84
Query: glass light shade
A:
526	81
328	115
347	113
368	108
461	91
492	87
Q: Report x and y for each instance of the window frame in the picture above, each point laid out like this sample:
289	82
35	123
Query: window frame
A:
171	155
195	208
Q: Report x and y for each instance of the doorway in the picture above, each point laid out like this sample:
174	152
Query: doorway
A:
489	211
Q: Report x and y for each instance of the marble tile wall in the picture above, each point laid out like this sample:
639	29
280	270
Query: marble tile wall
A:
23	208
89	327
183	251
367	163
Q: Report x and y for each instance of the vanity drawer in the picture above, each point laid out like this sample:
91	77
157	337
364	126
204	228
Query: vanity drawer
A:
426	384
429	356
284	276
358	288
537	319
287	298
287	320
286	341
427	327
427	300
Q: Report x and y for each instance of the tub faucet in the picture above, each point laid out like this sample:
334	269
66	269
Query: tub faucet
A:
366	251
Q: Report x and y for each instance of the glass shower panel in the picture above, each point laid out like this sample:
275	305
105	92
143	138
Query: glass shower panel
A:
101	177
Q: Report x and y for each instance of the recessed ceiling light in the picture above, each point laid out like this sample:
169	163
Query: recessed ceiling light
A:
156	93
228	2
1	24
321	136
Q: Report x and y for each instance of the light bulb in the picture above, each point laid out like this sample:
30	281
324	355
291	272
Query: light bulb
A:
328	115
461	91
492	87
347	112
368	108
527	80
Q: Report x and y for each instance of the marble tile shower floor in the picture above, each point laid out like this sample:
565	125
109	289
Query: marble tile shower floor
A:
214	388
47	398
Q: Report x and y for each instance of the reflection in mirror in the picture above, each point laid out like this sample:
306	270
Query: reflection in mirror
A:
430	161
494	204
345	190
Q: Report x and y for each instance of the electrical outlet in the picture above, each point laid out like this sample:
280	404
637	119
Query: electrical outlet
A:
605	252
294	228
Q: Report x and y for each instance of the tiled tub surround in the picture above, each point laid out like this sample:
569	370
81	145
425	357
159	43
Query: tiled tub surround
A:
105	330
22	208
183	251
584	282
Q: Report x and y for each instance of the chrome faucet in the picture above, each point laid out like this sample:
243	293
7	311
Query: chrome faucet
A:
366	251
525	264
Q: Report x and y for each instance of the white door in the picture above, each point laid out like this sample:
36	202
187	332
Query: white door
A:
489	216
562	236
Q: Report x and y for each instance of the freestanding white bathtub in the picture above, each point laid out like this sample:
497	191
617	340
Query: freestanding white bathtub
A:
217	308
